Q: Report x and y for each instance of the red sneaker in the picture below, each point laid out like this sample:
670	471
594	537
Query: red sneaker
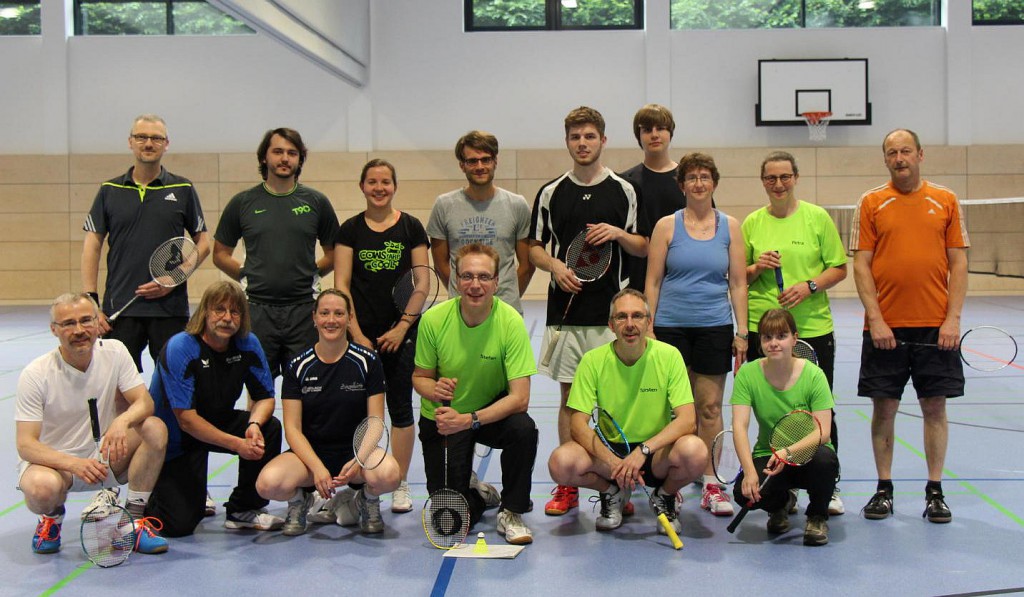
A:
565	499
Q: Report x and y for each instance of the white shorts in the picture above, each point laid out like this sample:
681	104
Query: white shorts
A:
573	342
79	484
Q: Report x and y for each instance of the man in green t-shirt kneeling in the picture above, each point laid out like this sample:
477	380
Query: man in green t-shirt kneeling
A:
473	368
642	383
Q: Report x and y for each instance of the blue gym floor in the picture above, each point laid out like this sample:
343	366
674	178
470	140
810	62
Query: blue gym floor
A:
978	553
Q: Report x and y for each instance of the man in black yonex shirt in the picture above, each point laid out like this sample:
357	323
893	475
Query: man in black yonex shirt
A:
280	221
593	198
197	381
135	213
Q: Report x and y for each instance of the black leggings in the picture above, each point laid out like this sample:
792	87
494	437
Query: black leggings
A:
818	477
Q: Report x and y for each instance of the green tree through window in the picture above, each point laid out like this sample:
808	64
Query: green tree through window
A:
776	14
498	15
20	18
156	17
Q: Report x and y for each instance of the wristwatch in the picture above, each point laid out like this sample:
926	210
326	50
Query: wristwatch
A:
812	286
476	421
645	449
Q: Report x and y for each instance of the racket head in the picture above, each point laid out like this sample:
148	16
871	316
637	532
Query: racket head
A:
987	348
174	261
416	290
370	442
609	432
588	262
724	460
445	518
107	535
803	350
796	437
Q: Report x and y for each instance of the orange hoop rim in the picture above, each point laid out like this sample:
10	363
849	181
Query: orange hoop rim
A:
816	117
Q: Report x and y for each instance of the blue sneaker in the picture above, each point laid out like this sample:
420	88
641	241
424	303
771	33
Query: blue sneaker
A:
147	539
47	536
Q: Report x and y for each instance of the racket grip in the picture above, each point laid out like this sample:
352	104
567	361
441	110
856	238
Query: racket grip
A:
738	519
551	348
671	532
94	419
778	279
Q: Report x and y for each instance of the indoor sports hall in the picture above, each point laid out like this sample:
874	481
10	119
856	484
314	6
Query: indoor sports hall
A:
402	80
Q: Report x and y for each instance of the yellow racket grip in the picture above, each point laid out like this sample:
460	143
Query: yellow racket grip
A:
671	532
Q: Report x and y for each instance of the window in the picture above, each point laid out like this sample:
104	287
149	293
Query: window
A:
998	12
773	14
504	15
155	17
20	18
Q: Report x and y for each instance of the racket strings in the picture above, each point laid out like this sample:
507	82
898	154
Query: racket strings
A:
788	433
108	537
173	261
724	459
371	442
803	350
416	291
988	348
446	518
587	261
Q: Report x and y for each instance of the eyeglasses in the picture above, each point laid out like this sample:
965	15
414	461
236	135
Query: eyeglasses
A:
156	139
483	278
70	324
771	180
703	178
624	317
221	312
485	161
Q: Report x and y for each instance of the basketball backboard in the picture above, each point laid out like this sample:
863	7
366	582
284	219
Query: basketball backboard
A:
788	88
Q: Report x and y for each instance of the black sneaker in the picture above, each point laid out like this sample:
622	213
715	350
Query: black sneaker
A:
816	530
778	521
935	509
879	506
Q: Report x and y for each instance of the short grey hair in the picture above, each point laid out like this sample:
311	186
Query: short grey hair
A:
70	298
628	292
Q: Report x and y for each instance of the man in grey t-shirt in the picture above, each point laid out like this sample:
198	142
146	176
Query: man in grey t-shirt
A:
482	212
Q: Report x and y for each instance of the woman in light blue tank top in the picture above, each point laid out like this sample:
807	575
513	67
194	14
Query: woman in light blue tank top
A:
696	284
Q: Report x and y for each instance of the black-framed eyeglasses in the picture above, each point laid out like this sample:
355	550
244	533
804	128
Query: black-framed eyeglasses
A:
772	179
703	178
156	139
484	161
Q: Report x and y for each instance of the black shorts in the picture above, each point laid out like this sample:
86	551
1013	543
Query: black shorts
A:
707	351
138	332
333	457
824	347
650	480
283	331
398	368
884	373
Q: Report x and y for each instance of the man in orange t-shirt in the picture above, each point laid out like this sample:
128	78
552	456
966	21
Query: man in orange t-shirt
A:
910	266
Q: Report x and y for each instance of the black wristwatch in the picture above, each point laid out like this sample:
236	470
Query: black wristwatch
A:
812	286
476	421
645	449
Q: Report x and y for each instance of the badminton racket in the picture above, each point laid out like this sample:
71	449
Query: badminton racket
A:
982	348
588	263
169	265
446	514
108	531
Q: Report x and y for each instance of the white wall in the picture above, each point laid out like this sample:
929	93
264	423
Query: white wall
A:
430	82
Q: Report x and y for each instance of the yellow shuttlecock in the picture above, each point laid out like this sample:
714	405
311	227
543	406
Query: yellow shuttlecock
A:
481	544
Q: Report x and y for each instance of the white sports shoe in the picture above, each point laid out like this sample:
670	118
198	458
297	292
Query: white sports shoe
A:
103	500
515	530
835	505
258	520
401	501
326	511
611	508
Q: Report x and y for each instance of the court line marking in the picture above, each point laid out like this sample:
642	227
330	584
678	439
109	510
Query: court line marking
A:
953	476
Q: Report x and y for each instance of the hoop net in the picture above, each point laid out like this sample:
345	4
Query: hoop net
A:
817	123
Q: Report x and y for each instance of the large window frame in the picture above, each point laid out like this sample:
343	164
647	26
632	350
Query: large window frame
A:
554	19
170	26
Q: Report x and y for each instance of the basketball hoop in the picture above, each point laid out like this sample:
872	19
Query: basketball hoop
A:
817	122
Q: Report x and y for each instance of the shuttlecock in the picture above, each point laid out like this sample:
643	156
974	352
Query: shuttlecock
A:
481	544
